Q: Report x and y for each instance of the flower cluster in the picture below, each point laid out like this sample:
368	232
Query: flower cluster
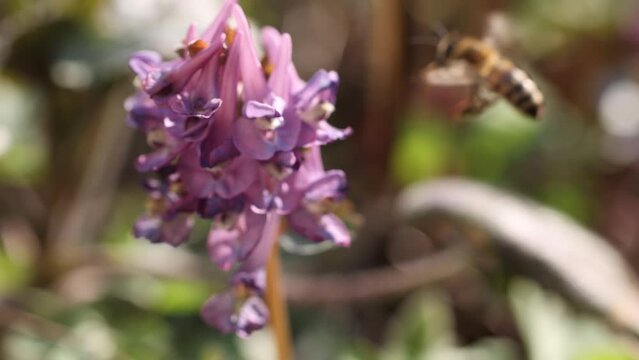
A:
235	139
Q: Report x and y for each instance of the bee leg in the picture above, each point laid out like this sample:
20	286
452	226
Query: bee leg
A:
481	99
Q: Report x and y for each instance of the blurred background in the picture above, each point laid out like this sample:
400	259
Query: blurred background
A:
453	283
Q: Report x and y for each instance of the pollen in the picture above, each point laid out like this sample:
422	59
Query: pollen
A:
196	46
267	67
155	205
230	32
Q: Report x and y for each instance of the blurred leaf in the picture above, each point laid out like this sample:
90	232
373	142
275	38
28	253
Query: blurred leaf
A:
601	14
90	338
18	346
546	244
548	25
119	232
329	334
424	324
59	330
543	321
180	296
13	274
193	339
22	145
424	330
553	332
422	150
492	349
165	296
139	334
360	351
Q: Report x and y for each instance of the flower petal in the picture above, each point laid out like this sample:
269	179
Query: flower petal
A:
216	28
253	315
327	133
155	229
155	160
271	39
254	280
221	152
211	207
321	134
279	81
321	81
327	227
251	141
185	107
331	186
255	110
145	63
336	229
218	311
238	175
148	227
251	69
173	80
257	256
221	247
191	35
177	231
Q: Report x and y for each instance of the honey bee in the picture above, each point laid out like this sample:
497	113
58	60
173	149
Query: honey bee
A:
489	70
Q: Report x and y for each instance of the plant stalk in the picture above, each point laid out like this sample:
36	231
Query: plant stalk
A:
277	305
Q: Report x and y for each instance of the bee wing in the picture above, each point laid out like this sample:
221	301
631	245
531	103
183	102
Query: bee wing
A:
457	73
450	89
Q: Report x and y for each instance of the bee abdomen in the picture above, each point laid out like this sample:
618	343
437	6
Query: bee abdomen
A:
517	87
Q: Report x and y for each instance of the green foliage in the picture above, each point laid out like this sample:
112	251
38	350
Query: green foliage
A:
424	324
552	331
14	273
423	149
22	145
495	140
427	147
424	330
178	296
547	26
569	198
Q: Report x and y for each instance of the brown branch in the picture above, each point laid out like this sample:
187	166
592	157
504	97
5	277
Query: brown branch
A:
378	283
86	213
385	88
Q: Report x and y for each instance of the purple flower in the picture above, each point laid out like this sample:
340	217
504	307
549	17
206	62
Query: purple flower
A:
166	219
220	311
227	179
315	103
315	191
234	237
241	308
164	79
268	124
235	140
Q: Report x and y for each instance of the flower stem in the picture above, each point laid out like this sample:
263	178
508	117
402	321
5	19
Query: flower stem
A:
277	305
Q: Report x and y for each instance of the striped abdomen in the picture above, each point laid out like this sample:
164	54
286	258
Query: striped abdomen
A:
514	84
